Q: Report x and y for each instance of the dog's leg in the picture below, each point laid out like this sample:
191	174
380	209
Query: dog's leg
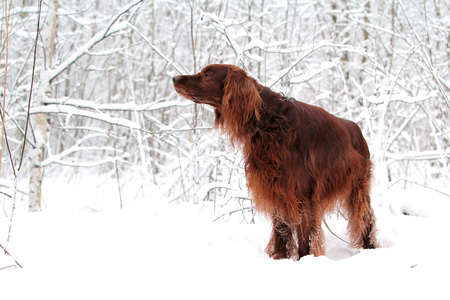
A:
317	235
361	219
303	236
281	241
312	232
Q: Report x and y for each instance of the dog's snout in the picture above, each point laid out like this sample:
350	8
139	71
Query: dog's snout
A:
175	79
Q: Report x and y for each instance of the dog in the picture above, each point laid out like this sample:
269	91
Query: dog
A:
301	162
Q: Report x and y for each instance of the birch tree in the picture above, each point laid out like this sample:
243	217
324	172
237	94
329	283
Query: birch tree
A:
41	123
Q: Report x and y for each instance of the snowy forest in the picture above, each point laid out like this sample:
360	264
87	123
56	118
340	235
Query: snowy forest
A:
86	90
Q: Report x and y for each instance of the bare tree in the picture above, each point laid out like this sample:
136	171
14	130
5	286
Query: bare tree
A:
41	126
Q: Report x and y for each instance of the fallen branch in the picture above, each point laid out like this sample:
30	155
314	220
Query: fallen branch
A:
10	266
242	209
15	261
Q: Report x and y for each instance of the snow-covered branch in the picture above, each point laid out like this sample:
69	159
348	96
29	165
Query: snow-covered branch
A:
127	106
109	30
310	49
419	155
73	111
81	164
100	36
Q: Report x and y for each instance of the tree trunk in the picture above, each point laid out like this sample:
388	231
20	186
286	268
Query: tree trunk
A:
42	126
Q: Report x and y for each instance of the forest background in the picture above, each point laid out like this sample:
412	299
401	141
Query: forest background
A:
86	90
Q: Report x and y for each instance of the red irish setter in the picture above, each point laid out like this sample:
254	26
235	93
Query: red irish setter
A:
300	161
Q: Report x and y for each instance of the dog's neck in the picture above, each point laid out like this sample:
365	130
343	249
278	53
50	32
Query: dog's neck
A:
270	114
271	100
272	104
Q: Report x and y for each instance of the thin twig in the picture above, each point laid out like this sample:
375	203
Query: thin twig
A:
4	83
10	266
31	87
419	184
123	11
7	195
329	229
8	148
117	171
16	179
157	50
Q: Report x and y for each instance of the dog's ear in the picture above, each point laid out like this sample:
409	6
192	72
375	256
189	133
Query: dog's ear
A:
218	121
241	103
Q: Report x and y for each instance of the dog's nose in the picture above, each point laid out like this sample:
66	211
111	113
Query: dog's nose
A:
175	79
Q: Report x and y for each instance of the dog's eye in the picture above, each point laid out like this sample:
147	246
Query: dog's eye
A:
207	75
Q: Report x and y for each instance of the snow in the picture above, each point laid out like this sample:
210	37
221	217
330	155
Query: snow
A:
83	247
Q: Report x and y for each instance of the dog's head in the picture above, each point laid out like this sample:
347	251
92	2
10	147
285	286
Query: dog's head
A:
228	89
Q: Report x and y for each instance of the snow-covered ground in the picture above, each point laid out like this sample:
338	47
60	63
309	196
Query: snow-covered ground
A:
155	250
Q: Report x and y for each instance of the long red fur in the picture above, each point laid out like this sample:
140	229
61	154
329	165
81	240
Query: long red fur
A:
301	162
